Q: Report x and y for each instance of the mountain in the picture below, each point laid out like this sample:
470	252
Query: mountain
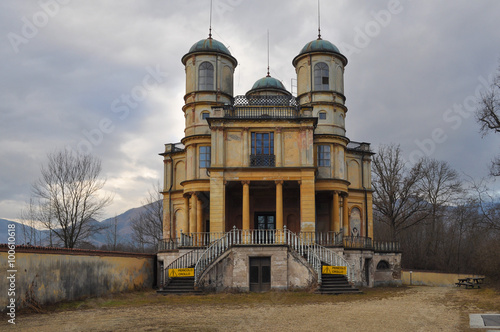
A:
20	230
123	227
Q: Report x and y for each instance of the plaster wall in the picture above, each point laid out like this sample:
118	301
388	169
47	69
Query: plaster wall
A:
72	274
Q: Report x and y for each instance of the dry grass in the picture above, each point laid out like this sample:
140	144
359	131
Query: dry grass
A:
150	297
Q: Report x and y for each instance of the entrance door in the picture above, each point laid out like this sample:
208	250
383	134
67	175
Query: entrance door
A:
265	223
264	220
260	274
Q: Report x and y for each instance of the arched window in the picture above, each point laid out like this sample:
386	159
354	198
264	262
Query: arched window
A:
383	265
206	76
321	76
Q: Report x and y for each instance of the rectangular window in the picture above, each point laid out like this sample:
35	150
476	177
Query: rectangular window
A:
204	156
322	116
323	155
263	143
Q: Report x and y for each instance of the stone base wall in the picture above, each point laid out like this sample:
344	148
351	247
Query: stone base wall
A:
289	270
231	270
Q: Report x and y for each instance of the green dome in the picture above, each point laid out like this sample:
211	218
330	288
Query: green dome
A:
209	45
319	45
268	82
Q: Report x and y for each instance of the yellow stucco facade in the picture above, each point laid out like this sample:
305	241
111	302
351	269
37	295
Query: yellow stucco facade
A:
266	160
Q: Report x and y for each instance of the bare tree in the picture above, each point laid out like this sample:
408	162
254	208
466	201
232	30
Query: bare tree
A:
30	217
112	235
396	198
440	186
488	116
68	196
148	225
488	204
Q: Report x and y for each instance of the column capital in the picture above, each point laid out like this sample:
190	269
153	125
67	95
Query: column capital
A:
187	195
278	130
246	129
245	182
278	181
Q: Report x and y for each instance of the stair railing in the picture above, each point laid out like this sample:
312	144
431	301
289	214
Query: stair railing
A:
216	249
332	258
185	261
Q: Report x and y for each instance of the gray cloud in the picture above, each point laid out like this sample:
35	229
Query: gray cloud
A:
64	81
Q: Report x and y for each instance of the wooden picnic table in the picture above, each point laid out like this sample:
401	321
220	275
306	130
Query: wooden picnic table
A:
470	282
476	280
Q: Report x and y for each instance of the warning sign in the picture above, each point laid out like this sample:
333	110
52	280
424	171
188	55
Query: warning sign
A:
334	269
174	273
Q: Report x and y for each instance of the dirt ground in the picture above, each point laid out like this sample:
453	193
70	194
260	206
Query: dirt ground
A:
409	309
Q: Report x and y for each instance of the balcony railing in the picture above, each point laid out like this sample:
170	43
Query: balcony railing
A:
256	112
383	246
262	160
272	237
265	101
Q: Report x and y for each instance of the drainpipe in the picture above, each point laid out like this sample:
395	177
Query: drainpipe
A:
170	194
364	189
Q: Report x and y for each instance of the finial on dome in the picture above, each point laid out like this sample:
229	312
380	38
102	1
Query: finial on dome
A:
210	24
268	75
319	23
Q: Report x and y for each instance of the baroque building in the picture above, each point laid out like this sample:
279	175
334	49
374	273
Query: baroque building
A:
265	188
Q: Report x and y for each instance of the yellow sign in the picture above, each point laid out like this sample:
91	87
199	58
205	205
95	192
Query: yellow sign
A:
173	273
334	269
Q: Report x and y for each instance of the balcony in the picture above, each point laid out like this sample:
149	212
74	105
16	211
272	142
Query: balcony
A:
262	160
278	237
262	107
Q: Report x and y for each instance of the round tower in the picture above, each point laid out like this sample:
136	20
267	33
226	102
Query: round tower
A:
209	82
320	84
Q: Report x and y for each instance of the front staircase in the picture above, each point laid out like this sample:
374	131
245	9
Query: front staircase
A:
201	259
180	285
336	284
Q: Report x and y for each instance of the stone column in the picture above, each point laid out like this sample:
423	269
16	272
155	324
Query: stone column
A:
336	213
246	153
246	205
279	205
184	226
307	204
199	215
345	214
277	144
192	216
217	202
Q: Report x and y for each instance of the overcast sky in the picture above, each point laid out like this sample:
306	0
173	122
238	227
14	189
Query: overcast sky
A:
67	68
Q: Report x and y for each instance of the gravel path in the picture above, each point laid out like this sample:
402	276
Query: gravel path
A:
415	309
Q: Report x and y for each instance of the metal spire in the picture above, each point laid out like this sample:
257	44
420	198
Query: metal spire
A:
210	25
268	75
319	22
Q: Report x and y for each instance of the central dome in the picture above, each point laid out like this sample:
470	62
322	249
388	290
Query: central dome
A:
268	82
268	86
